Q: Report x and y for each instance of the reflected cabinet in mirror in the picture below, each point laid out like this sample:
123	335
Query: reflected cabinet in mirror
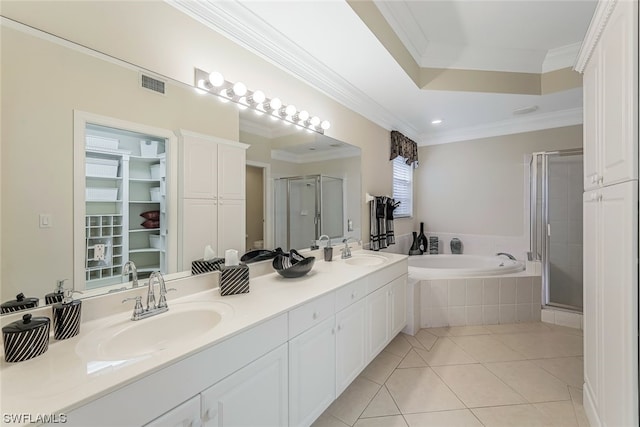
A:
94	172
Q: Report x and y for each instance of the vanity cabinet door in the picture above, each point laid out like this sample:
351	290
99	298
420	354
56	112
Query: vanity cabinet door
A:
256	395
199	228
231	172
397	305
312	365
199	158
351	344
184	415
377	321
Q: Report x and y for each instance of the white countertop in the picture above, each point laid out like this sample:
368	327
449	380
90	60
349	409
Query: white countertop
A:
62	379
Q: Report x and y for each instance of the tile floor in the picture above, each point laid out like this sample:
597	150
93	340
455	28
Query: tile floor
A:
512	375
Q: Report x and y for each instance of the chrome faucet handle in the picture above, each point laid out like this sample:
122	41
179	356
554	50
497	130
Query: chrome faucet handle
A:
151	296
162	303
137	309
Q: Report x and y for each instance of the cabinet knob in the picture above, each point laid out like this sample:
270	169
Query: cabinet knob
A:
333	331
594	178
600	179
353	295
315	315
599	197
339	327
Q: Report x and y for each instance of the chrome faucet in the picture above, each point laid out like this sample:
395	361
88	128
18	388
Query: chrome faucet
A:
346	251
130	267
152	309
507	255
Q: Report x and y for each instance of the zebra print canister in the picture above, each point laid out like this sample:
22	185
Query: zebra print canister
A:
66	319
25	339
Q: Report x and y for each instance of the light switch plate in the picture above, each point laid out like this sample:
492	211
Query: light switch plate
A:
45	220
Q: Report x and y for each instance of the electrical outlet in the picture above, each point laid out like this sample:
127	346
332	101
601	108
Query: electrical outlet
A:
349	225
98	252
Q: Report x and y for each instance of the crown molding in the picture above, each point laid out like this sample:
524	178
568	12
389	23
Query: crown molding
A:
597	25
406	28
236	22
531	123
561	57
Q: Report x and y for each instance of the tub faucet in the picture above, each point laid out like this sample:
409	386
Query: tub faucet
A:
130	267
507	255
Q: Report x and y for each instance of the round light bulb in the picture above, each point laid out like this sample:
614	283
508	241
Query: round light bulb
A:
290	110
274	104
257	97
315	121
239	89
303	115
325	124
216	79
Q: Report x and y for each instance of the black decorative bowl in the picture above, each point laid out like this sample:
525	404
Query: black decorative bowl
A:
260	255
293	265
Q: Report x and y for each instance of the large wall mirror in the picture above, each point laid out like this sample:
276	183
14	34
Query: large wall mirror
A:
48	84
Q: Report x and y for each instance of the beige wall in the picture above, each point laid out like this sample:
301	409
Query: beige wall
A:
478	186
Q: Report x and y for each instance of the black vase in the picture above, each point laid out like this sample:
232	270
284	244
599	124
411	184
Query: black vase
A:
415	246
423	243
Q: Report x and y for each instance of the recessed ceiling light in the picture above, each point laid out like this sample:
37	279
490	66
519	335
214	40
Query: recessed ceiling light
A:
436	121
526	110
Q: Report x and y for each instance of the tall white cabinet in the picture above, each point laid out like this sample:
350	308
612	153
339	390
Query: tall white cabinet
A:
212	195
609	62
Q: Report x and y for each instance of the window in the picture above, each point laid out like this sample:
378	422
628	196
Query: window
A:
402	187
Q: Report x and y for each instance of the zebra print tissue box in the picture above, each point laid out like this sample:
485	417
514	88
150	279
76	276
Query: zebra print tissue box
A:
234	279
200	266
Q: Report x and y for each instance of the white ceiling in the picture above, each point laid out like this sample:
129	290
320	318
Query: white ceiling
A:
327	45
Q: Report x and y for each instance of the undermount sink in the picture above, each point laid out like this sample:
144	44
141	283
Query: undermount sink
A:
365	260
126	339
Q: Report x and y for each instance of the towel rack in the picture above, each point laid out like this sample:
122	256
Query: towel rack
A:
369	197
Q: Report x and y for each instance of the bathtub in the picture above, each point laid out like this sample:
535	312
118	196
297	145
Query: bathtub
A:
430	266
459	290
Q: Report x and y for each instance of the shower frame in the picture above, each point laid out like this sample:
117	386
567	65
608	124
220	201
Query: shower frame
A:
542	252
318	202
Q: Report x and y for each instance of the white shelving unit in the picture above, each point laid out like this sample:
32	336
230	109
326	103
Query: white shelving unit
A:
116	197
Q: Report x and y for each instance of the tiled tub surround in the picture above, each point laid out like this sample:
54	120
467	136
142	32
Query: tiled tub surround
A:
60	380
480	300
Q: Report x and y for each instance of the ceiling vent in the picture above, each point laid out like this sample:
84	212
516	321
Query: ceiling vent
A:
152	84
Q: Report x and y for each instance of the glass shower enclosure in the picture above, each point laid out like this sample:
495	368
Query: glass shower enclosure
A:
306	207
556	225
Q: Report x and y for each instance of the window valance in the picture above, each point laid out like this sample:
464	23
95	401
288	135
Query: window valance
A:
404	147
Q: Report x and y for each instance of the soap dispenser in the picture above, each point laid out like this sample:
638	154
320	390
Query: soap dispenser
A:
66	316
57	295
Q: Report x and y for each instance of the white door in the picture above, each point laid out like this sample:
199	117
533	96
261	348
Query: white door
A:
256	395
199	168
231	172
351	344
199	228
311	373
377	321
184	415
231	225
591	297
591	111
619	56
619	303
397	305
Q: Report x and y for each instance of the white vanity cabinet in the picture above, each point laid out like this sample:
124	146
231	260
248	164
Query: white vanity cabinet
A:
212	195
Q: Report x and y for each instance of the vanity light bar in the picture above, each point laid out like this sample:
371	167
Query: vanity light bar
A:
256	100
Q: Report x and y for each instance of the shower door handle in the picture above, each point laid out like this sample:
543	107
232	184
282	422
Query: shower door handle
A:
548	229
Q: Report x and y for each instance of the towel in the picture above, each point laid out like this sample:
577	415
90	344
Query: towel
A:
381	228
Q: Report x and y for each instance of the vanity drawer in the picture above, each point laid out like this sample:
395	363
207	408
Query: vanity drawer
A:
310	314
348	294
